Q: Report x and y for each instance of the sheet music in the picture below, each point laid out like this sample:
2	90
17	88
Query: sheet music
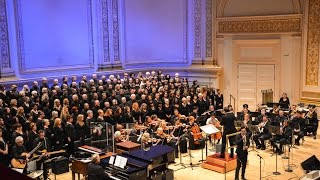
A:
111	160
209	129
117	161
123	162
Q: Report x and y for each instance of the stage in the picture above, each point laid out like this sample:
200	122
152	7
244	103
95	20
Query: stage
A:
309	148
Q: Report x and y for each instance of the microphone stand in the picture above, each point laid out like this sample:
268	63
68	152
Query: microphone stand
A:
276	172
289	167
260	167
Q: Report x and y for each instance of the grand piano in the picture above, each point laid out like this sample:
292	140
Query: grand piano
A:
142	164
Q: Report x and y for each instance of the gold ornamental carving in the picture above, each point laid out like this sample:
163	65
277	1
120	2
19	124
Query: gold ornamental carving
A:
261	26
313	37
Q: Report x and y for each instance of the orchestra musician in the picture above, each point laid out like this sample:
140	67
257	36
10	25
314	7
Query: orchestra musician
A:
176	134
19	151
258	119
195	134
214	121
283	138
263	133
284	99
42	150
243	143
275	109
280	118
246	122
95	170
312	121
298	126
227	122
118	137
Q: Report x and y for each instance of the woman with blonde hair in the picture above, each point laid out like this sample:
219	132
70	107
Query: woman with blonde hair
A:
82	130
136	113
108	117
59	135
64	113
57	106
22	118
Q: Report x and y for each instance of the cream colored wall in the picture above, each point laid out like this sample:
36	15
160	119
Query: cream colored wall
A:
283	52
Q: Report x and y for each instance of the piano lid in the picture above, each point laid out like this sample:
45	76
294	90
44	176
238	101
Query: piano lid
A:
154	152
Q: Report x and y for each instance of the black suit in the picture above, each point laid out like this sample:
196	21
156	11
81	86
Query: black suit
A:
227	122
242	155
261	137
283	138
96	172
71	134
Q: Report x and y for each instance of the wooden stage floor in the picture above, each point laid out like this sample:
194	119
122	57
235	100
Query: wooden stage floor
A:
309	148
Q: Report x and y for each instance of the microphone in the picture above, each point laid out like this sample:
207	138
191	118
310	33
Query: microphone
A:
259	156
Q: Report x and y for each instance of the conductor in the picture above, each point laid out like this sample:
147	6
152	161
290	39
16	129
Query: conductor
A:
227	122
243	143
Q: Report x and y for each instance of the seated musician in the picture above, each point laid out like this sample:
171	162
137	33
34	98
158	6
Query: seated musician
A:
312	121
244	111
176	135
42	150
195	134
298	126
263	134
283	138
279	119
293	110
258	119
214	121
246	122
96	171
161	137
118	137
275	109
19	151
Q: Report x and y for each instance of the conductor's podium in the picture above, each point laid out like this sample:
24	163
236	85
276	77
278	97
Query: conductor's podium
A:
221	165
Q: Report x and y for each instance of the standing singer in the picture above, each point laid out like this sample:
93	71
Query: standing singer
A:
243	143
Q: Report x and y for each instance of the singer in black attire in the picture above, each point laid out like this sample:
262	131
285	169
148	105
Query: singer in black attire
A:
227	122
243	143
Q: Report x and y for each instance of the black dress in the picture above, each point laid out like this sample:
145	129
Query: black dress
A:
4	159
59	138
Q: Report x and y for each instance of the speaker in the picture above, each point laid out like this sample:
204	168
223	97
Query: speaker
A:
60	165
312	163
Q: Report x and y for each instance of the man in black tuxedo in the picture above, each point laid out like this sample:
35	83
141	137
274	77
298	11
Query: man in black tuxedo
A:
243	143
263	133
228	128
95	171
284	137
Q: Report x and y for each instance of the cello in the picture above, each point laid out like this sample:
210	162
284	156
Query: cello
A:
197	135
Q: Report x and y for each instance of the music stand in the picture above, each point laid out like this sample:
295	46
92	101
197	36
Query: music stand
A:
276	131
209	129
254	129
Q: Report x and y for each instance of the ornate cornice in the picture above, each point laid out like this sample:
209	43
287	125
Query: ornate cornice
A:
260	24
105	31
313	38
4	39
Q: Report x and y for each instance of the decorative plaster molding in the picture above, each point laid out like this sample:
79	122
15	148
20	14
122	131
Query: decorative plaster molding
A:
313	44
4	41
209	28
221	7
21	49
197	28
260	24
105	31
115	21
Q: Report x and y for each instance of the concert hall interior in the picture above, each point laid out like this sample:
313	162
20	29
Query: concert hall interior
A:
159	89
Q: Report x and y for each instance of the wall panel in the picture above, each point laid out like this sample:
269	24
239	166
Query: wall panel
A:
54	34
154	31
